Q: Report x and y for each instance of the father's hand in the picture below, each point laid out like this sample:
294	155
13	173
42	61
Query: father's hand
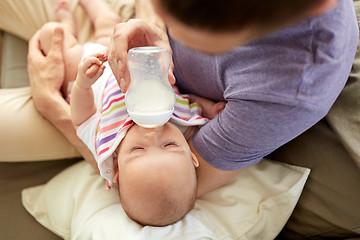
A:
46	73
134	33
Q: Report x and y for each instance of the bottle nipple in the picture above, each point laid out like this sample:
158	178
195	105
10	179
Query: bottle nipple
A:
150	98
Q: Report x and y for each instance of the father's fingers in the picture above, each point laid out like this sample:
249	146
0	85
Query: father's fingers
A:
34	51
117	54
160	38
171	77
57	45
134	33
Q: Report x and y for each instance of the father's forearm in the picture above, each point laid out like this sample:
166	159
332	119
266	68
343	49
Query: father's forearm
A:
57	111
145	10
210	178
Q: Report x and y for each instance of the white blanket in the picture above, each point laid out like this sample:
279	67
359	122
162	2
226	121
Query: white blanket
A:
256	205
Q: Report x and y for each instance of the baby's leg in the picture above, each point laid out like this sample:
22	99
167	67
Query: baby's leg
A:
65	16
103	18
72	52
46	33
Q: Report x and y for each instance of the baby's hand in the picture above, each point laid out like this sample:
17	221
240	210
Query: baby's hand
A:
210	109
90	69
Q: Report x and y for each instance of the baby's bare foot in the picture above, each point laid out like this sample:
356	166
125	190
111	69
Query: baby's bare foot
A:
100	13
65	15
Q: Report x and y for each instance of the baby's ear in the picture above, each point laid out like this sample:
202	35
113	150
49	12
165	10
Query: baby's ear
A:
194	159
116	176
115	168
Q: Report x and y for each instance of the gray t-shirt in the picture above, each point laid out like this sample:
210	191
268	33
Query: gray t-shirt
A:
275	88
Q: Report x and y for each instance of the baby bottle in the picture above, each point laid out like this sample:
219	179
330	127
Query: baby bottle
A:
150	98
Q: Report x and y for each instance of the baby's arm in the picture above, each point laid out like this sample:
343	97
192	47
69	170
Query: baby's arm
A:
82	97
210	109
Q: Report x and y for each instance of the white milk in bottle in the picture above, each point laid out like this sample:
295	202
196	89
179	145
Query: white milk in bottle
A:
150	98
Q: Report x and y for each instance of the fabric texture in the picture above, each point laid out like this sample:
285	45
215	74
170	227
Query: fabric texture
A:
15	221
13	62
276	87
75	205
23	18
344	115
329	205
22	125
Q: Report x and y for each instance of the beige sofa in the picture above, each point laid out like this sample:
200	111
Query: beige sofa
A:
15	221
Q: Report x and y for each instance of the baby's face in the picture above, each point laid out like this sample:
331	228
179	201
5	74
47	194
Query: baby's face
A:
155	162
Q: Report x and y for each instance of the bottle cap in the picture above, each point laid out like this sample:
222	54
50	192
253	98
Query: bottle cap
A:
152	120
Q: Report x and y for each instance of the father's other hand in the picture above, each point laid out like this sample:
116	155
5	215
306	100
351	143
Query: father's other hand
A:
127	35
46	73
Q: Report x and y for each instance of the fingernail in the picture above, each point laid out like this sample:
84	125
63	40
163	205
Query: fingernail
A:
171	77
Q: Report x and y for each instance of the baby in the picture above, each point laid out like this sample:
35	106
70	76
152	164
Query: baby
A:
153	168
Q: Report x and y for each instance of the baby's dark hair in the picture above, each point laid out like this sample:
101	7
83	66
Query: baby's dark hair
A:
233	15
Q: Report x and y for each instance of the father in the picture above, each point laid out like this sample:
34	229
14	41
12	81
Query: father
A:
280	65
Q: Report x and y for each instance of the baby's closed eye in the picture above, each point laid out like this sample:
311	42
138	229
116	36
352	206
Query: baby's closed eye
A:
135	148
172	143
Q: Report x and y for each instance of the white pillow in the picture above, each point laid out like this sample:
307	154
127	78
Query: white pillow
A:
256	205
